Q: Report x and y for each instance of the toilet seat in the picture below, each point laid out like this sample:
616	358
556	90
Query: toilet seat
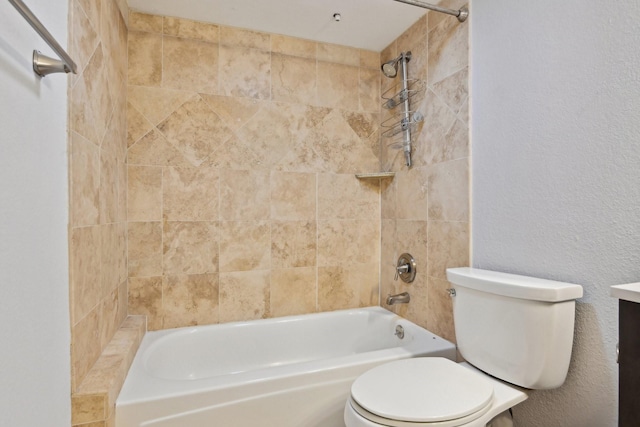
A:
429	391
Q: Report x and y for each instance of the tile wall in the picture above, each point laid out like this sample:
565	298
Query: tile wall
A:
97	179
242	149
425	209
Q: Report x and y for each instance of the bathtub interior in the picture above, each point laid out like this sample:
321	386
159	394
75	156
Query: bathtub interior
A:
287	372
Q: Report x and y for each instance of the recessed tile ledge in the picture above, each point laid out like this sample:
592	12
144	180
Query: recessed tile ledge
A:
628	292
94	402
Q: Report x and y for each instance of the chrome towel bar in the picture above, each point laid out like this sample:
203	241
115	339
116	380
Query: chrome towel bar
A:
43	65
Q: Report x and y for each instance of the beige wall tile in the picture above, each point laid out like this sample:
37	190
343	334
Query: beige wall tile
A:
109	320
369	90
108	186
156	104
145	59
338	86
413	36
85	271
113	257
189	65
144	22
370	59
432	142
293	79
454	90
195	130
244	295
412	237
85	31
235	112
145	298
245	72
388	257
293	244
449	191
190	247
244	195
85	347
388	198
144	249
343	242
293	196
237	37
293	291
356	199
153	149
293	46
440	309
144	196
448	49
338	54
190	300
84	181
347	287
191	29
411	193
448	247
87	408
245	245
190	194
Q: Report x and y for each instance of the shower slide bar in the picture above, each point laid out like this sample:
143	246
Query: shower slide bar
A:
42	64
461	14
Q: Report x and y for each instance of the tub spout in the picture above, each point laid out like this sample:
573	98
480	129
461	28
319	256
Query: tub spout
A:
402	298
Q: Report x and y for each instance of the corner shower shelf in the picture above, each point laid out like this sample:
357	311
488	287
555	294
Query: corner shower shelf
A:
375	175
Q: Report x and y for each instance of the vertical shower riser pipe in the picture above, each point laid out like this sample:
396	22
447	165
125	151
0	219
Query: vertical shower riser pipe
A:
406	119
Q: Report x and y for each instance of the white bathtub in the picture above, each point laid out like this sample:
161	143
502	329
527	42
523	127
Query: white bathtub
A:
286	372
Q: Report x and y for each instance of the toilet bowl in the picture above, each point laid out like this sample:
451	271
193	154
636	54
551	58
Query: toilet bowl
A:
429	391
515	333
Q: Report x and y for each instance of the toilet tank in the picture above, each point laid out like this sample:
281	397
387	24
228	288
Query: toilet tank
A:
516	328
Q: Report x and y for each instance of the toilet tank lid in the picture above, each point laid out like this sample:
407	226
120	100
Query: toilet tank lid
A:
512	285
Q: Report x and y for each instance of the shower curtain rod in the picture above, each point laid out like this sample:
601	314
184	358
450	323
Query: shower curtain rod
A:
461	14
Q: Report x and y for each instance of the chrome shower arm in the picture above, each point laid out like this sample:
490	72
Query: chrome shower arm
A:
461	14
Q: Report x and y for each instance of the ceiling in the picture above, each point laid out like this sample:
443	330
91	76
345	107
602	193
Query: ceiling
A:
365	24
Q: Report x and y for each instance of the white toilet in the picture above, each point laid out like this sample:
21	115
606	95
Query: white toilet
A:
514	331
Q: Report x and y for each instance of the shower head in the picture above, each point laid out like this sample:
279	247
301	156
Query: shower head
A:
390	68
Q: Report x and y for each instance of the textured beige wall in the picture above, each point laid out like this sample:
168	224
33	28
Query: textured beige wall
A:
425	209
242	200
97	179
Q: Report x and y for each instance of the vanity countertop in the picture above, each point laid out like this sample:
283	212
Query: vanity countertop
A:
628	292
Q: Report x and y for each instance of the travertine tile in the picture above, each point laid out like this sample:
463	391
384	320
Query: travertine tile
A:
190	194
85	347
388	257
237	188
413	36
235	112
411	193
137	125
388	198
153	149
145	298
237	37
191	29
108	186
144	22
195	130
144	249
85	269
144	196
369	90
190	300
156	104
440	309
245	245
449	191
85	32
245	72
293	244
293	79
370	59
189	65
244	295
113	256
347	287
417	309
338	86
432	143
145	59
356	199
343	242
454	90
448	247
448	49
85	181
412	237
293	46
87	408
293	291
293	196
109	320
435	18
338	54
190	247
